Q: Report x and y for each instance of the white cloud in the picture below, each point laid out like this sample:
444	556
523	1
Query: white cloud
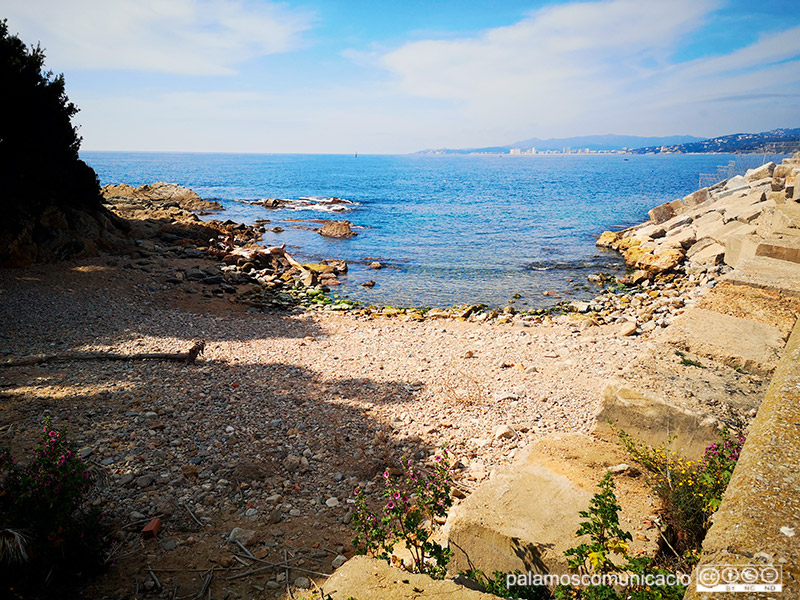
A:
594	67
188	37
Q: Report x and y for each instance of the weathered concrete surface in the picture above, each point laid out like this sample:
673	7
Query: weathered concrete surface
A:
750	345
365	578
527	515
768	274
653	421
759	519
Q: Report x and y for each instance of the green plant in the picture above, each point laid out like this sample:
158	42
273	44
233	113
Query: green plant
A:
634	578
497	585
605	535
414	502
690	490
46	527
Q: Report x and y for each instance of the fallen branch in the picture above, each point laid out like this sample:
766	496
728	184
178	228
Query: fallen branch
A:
187	357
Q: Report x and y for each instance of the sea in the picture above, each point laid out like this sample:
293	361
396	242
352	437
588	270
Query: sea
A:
448	229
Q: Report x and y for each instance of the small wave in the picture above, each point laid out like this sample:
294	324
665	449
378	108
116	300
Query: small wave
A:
328	204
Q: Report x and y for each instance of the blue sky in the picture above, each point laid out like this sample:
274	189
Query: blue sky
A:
387	76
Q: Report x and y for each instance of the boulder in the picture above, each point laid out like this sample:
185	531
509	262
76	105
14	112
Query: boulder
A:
653	421
735	182
337	229
362	577
711	255
527	515
749	345
761	172
738	247
781	248
696	198
664	212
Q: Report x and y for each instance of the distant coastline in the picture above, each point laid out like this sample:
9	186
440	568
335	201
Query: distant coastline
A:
776	141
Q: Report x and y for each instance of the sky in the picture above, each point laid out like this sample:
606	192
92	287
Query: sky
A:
397	76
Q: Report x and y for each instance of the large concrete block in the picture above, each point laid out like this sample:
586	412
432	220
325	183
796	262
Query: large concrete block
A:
522	519
738	247
653	421
750	345
365	578
761	172
767	273
527	515
664	212
722	233
782	248
696	198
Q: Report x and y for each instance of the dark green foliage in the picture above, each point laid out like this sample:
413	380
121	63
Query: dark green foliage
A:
497	585
39	145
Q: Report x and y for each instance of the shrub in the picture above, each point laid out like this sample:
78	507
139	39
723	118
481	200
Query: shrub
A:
46	529
601	524
690	490
414	502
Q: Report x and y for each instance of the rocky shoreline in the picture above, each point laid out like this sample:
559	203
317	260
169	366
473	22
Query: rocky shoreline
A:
301	396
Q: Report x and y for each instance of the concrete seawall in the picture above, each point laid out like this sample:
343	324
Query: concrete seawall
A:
758	522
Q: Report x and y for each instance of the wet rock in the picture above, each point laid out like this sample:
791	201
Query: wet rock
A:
337	229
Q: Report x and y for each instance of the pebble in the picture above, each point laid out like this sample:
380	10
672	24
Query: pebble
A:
302	583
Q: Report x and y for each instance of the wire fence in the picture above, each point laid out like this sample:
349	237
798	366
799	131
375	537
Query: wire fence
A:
737	166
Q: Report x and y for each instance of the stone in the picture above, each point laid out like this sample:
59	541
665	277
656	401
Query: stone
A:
338	561
368	284
243	536
765	170
337	229
735	182
664	212
168	545
696	198
749	345
527	514
375	265
332	502
504	432
652	421
781	248
161	192
362	577
302	583
767	273
712	254
292	462
144	480
739	247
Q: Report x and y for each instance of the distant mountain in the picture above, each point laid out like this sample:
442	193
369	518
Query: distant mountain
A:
777	141
590	142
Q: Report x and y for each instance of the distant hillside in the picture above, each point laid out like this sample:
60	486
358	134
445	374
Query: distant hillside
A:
777	141
590	142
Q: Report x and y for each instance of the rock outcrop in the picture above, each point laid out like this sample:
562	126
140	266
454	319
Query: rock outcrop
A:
160	193
337	229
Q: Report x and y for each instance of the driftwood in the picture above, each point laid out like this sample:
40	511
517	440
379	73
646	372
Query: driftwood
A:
187	357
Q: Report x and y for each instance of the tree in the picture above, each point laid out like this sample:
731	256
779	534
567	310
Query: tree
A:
50	199
39	145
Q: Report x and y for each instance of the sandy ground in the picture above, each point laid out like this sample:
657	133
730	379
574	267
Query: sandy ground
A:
283	412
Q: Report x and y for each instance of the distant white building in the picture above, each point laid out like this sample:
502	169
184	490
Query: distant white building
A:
515	151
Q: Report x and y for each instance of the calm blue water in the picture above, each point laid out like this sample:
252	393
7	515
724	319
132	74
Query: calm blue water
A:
450	229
